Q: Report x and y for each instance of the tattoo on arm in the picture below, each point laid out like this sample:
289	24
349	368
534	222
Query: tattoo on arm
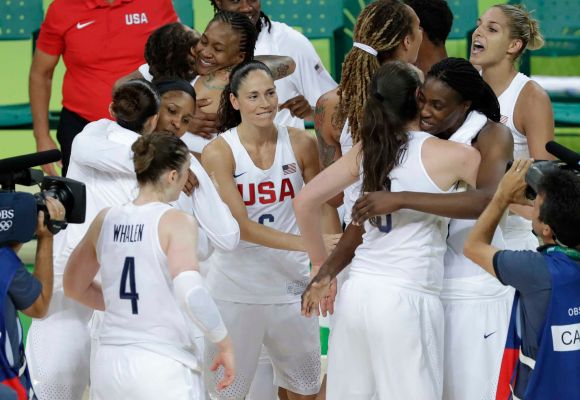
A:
326	152
281	71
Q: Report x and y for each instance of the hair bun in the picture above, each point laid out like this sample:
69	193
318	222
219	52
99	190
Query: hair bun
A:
143	153
536	40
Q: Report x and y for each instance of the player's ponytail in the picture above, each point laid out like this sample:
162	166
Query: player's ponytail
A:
228	116
134	102
522	26
391	105
461	76
156	153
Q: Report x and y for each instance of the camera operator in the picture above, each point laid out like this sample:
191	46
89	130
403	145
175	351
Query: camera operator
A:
547	309
25	292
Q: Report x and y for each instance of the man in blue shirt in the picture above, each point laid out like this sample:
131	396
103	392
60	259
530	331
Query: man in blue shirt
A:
27	293
547	282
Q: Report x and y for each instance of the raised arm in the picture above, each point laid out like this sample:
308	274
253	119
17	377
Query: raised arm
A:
91	148
82	267
39	88
495	144
318	191
281	66
137	74
217	159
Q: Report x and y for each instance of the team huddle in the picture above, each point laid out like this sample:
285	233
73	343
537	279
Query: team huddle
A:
218	229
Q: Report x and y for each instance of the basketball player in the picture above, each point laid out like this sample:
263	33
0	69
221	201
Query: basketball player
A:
150	287
58	346
458	105
259	167
503	33
387	341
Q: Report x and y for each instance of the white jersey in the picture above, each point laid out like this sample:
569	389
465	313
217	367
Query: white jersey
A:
103	188
353	192
407	245
456	264
97	150
253	273
507	104
310	78
140	308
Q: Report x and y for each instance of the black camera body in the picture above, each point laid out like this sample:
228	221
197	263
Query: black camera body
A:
19	210
568	160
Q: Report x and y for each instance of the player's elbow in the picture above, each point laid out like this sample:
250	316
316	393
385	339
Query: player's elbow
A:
38	309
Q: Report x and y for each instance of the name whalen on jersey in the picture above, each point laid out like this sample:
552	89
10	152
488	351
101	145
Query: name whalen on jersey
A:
265	192
128	233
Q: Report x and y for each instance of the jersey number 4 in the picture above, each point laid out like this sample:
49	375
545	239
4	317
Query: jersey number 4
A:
129	274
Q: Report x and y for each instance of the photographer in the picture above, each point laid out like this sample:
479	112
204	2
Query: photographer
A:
25	292
547	282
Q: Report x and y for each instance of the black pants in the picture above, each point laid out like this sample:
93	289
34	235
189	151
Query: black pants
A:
69	126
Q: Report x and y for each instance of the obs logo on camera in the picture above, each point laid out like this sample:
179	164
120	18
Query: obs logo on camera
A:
6	217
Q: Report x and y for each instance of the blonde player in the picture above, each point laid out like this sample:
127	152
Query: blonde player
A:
503	33
150	286
388	334
259	168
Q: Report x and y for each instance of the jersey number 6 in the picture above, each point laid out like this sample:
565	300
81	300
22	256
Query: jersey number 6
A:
129	273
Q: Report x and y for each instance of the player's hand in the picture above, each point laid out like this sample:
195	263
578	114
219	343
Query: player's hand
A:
371	204
327	303
44	144
191	183
298	107
225	359
203	124
56	212
512	187
331	240
315	292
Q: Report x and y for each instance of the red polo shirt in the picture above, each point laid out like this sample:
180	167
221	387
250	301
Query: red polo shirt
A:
99	43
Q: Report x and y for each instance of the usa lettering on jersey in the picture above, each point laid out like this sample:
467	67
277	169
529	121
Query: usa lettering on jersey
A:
265	192
136	19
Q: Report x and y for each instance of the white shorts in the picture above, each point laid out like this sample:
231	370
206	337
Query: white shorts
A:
292	342
477	313
128	372
58	349
387	342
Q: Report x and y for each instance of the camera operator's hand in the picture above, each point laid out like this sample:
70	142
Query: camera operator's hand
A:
512	187
56	212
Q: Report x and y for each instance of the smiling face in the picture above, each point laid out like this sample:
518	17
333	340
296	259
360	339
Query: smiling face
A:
218	48
175	112
256	100
443	110
491	42
251	8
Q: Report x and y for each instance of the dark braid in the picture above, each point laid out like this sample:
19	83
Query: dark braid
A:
382	25
462	77
242	25
262	21
168	52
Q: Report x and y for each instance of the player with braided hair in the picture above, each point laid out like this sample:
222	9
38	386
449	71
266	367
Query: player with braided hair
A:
457	104
297	94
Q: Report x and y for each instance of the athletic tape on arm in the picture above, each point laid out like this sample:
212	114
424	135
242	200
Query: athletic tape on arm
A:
194	297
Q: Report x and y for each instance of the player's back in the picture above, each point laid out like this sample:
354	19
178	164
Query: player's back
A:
139	304
407	244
